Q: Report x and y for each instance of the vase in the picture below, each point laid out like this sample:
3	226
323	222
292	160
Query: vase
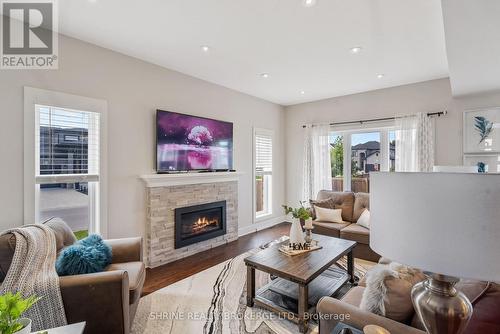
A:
296	234
26	323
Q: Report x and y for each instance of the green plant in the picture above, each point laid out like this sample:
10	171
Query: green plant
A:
301	212
12	306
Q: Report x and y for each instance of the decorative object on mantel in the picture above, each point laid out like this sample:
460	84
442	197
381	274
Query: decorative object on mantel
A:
298	214
481	167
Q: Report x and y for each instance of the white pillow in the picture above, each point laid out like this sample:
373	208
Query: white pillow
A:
328	215
364	219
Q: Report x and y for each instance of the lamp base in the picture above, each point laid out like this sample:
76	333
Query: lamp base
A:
441	307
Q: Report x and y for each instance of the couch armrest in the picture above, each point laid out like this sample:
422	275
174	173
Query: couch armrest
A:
100	299
331	311
126	249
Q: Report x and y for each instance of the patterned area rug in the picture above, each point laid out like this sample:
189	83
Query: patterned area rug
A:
214	302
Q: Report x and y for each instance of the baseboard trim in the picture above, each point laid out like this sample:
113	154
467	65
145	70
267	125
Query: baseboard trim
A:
261	225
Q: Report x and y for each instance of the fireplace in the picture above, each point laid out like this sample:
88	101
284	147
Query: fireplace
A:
199	222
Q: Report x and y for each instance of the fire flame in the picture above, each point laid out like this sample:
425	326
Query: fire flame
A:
203	222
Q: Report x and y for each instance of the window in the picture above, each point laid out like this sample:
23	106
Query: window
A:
337	159
64	160
67	178
263	146
357	152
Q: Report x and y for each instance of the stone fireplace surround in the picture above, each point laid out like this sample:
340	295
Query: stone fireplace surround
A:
166	192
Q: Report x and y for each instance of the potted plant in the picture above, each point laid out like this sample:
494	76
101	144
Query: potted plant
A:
300	214
12	306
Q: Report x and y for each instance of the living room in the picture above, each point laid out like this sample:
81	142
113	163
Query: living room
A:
148	160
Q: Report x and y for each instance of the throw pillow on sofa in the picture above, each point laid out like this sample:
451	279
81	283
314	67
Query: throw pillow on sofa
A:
325	203
89	255
328	215
388	291
364	219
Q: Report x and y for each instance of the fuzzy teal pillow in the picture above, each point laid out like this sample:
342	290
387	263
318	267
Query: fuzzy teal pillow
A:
89	255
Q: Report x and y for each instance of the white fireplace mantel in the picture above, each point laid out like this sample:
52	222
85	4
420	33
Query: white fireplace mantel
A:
169	180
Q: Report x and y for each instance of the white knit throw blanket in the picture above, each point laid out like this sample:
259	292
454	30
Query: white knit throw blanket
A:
33	272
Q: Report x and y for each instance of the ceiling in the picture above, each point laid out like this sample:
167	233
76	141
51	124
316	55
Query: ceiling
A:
306	51
471	29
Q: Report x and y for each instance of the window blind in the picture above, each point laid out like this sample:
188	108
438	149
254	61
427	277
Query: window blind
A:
263	153
67	143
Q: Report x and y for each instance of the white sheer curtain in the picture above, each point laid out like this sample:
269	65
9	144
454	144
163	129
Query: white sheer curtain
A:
415	143
317	169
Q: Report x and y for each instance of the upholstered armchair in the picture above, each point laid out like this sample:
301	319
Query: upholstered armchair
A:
106	301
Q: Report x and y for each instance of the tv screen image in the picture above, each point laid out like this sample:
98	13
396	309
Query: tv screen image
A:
187	143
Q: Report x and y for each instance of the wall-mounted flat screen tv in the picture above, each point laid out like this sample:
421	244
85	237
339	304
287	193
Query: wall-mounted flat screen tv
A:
190	143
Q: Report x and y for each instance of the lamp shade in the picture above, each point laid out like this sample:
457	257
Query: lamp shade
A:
446	223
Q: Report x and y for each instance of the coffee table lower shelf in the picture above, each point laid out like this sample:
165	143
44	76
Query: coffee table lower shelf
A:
281	296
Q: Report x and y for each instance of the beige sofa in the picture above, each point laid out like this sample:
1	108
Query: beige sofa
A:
352	205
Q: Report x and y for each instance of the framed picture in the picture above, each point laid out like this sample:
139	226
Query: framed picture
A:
485	163
482	130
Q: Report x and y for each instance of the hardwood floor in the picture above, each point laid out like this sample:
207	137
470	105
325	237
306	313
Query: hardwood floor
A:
170	273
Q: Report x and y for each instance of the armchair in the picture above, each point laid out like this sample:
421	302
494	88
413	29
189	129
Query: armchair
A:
106	301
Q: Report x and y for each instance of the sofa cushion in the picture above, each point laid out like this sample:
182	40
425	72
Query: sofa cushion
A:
342	200
89	255
361	202
136	276
329	229
356	233
63	233
353	296
388	291
328	215
325	203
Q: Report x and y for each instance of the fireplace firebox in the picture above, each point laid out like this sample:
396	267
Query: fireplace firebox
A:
199	222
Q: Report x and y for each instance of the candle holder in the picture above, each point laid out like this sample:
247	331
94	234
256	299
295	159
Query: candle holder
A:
308	237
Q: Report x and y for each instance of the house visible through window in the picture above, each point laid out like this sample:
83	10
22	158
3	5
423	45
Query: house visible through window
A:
263	141
356	153
67	168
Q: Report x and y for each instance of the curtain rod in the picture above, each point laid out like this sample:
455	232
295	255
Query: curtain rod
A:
438	114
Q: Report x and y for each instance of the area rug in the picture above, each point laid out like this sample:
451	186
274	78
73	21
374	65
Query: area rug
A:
214	302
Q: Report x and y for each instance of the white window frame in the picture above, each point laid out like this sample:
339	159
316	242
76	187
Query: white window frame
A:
269	204
34	97
347	131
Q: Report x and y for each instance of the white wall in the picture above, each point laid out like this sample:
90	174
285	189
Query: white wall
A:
134	90
429	96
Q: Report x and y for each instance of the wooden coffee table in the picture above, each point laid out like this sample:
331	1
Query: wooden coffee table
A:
308	276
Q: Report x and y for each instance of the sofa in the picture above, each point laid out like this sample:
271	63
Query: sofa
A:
352	205
485	298
106	301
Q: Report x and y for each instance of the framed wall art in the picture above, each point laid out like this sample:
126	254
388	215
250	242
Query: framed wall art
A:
482	131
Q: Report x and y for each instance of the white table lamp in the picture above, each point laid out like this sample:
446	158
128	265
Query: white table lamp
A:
447	224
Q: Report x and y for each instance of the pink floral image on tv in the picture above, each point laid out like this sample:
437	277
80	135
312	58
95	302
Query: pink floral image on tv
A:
187	142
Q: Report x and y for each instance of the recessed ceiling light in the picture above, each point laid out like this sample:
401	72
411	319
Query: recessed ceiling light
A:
308	3
356	49
205	48
380	76
265	75
92	1
302	92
